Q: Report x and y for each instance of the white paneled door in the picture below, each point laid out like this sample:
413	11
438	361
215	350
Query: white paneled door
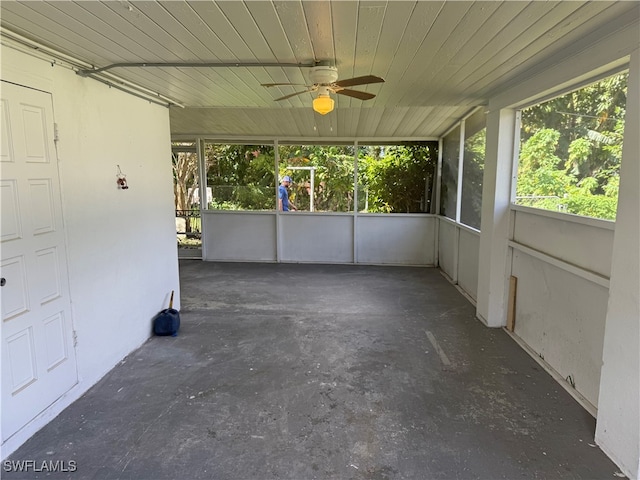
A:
38	354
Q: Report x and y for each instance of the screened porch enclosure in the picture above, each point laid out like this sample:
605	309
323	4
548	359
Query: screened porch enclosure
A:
548	255
358	203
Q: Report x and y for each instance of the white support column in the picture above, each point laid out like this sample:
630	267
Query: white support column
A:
460	173
202	192
494	230
354	250
438	188
276	169
202	174
618	425
438	180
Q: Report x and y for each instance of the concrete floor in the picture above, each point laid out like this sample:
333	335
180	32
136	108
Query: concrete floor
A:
323	372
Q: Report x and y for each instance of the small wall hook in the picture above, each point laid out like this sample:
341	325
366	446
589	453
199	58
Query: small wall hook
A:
121	179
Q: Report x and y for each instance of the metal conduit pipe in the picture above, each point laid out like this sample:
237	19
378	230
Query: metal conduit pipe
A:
86	72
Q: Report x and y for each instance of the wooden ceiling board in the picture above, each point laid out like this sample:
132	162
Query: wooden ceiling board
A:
41	26
272	29
438	59
369	21
412	36
390	36
235	120
256	121
344	123
155	80
320	125
250	124
369	121
212	121
448	18
170	34
345	24
160	39
180	84
415	128
317	124
388	123
545	31
447	73
494	40
295	122
59	41
407	125
430	125
292	17
370	18
231	47
507	48
211	47
442	119
413	116
575	41
318	18
439	67
239	16
168	81
98	31
268	22
187	48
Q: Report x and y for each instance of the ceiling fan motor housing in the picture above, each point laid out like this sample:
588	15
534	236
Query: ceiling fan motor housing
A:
323	75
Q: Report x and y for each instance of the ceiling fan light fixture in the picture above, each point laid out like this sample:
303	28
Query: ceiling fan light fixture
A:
323	103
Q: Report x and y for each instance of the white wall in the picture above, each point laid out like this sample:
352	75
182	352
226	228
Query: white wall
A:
447	248
305	237
458	254
396	239
315	238
238	236
121	244
562	263
561	317
584	242
468	253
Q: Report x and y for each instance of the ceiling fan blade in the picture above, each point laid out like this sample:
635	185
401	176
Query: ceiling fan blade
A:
350	82
355	94
278	84
291	95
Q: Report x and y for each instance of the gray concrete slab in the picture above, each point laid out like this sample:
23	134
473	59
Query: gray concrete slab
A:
323	372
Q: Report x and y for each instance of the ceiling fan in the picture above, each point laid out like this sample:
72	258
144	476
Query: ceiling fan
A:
324	80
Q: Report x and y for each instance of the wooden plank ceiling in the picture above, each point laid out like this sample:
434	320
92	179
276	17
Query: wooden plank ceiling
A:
439	59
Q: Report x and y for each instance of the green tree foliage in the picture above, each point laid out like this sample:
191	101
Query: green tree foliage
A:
185	168
539	172
241	176
571	148
333	176
473	172
398	178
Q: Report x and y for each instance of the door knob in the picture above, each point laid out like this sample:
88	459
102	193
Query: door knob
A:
3	282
